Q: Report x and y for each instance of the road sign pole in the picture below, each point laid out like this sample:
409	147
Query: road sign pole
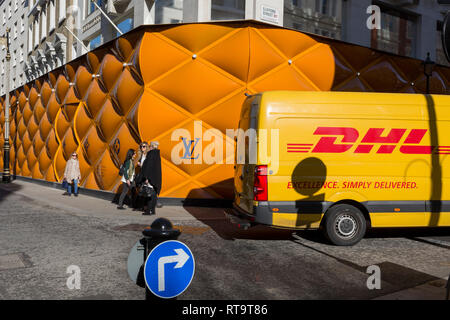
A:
160	231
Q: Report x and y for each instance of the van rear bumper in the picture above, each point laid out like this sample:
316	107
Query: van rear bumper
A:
264	212
261	213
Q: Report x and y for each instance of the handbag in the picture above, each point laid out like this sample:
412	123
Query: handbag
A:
146	191
65	184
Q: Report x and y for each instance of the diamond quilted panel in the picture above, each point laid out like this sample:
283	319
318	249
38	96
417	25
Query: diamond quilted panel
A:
195	86
22	100
392	79
69	144
164	116
110	71
59	163
82	80
93	146
106	172
94	99
90	182
35	172
61	88
38	144
317	64
192	190
50	174
27	113
94	59
31	158
108	120
44	162
32	128
53	108
44	128
214	179
71	96
353	85
70	110
85	167
51	144
126	91
121	142
226	114
263	56
82	123
46	92
61	125
157	56
235	46
33	96
26	142
38	111
286	78
291	43
188	37
21	156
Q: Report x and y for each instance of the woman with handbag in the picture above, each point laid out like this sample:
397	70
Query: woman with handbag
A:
72	175
127	178
138	162
150	177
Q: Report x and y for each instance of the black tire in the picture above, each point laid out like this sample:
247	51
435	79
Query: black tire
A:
344	225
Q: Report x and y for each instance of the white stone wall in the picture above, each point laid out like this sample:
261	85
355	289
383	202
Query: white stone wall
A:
13	15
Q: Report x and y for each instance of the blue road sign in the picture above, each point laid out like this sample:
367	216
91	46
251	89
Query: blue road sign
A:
169	269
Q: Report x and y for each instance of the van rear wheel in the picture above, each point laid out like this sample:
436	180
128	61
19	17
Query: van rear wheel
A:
345	225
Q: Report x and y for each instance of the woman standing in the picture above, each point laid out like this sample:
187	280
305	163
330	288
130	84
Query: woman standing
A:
150	176
128	177
139	161
72	175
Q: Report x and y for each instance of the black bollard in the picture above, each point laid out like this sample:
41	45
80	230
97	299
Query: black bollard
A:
160	230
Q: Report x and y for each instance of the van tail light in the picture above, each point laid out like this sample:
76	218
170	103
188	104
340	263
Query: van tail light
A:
260	184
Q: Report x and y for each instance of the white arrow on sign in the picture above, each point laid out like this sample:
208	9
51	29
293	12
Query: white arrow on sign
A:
180	258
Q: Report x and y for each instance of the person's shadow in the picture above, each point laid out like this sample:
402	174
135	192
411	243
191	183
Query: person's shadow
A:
308	179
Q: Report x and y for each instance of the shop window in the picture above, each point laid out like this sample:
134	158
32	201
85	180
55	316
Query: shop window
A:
397	33
125	26
227	9
167	11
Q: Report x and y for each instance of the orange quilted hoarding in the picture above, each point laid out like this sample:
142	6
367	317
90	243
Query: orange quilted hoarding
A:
171	82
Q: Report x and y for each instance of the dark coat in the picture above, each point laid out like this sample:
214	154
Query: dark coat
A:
151	170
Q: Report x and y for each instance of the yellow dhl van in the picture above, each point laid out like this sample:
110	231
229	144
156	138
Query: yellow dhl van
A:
343	162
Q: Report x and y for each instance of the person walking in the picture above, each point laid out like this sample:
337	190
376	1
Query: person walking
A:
72	175
127	178
151	177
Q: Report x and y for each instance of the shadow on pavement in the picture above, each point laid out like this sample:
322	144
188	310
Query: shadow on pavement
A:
217	220
6	189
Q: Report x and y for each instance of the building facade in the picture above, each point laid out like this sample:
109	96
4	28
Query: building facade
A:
13	15
50	43
46	34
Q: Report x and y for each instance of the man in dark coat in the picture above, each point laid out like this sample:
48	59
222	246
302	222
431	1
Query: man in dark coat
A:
151	173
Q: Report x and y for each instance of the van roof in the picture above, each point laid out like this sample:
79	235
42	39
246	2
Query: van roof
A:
356	104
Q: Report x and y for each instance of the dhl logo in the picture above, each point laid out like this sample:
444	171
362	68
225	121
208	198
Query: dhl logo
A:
342	139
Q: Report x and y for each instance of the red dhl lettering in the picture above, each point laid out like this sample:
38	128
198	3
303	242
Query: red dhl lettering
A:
384	141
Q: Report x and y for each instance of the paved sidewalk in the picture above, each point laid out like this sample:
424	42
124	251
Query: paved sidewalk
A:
85	205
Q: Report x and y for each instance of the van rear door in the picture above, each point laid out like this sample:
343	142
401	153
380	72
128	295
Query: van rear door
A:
245	159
